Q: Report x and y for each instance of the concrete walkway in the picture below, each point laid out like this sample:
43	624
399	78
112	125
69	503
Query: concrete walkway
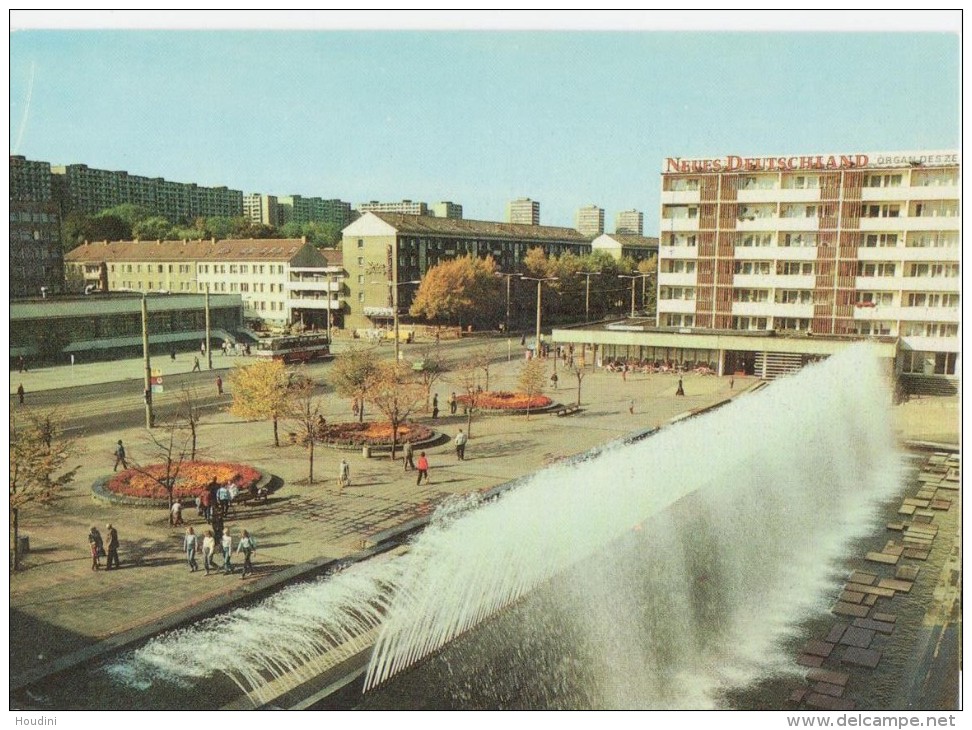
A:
59	605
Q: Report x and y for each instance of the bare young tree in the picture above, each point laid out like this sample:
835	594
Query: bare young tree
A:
305	413
394	391
39	456
484	356
579	374
468	377
429	366
190	414
533	376
168	447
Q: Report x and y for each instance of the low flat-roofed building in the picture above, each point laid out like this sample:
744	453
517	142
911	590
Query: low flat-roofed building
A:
620	245
109	326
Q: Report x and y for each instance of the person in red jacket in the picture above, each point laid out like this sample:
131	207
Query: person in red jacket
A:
423	469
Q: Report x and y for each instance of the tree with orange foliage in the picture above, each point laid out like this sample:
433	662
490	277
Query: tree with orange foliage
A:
458	290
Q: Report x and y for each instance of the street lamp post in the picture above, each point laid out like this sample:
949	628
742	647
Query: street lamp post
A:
394	287
149	418
587	292
633	277
508	278
539	295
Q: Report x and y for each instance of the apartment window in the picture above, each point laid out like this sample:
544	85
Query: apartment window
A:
792	324
244	268
754	239
361	278
874	299
794	268
749	268
749	323
883	181
232	268
233	286
244	287
890	210
360	260
360	243
360	296
679	320
881	240
866	268
279	268
750	295
799	240
794	296
935	271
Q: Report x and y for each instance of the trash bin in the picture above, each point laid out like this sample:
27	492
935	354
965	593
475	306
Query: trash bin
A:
23	544
366	452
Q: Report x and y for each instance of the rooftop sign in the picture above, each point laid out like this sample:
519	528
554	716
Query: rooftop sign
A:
735	163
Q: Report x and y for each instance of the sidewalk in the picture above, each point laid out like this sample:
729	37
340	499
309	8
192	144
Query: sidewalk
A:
58	605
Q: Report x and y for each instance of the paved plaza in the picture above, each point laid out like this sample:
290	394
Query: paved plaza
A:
59	606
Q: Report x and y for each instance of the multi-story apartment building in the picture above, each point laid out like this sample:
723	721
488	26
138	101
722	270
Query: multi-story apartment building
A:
767	263
385	251
406	207
523	211
590	221
36	257
260	270
446	209
629	222
298	209
79	188
29	180
259	208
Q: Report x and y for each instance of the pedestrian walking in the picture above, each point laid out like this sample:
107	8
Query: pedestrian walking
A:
206	500
631	406
453	403
209	547
435	406
407	458
624	372
344	474
219	385
120	456
171	354
217	525
112	548
553	380
225	348
355	408
732	382
195	365
20	394
175	518
461	445
680	390
202	348
247	546
189	543
423	469
223	499
97	547
21	364
227	544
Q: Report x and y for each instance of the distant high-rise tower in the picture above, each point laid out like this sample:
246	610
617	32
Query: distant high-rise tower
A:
590	221
260	208
523	210
629	221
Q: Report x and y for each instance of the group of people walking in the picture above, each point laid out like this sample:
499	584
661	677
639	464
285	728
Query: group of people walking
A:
100	548
224	543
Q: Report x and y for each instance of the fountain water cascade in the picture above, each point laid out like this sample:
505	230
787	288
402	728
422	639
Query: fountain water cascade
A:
679	563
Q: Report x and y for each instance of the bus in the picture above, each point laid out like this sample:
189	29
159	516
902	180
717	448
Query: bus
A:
295	348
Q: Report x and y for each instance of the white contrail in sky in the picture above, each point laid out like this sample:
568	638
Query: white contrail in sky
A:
23	119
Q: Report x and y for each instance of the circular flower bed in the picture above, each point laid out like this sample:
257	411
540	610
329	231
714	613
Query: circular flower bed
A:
372	433
192	478
501	400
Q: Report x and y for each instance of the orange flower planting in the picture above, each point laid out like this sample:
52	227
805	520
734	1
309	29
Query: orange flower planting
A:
371	433
192	477
500	400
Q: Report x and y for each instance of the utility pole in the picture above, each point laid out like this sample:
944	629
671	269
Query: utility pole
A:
508	277
539	296
149	419
587	292
329	282
209	349
633	277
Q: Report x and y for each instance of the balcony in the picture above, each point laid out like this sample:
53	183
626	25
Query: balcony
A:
912	223
679	306
313	284
680	224
313	303
679	279
894	194
922	283
774	281
932	344
900	253
679	197
927	314
678	252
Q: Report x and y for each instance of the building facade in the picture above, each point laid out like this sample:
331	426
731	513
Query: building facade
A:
841	246
383	252
405	207
446	209
300	209
590	221
633	247
259	270
259	208
629	222
30	180
523	211
36	258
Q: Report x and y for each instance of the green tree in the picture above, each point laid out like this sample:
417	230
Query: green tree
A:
533	376
352	372
154	228
458	291
39	471
261	391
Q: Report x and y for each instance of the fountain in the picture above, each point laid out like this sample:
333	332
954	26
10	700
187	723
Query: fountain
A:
672	567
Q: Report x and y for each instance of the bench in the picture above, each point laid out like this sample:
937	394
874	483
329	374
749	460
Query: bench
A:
567	410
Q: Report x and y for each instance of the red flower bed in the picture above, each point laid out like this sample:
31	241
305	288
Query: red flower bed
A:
193	477
371	433
501	400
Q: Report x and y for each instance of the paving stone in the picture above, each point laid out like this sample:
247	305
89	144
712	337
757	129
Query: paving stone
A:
871	598
896	526
851	596
907	509
826	702
825	688
861	577
809	660
876	557
836	631
893	548
888	618
922	529
904	586
876	590
928	493
881	627
849	609
924	515
797	695
830	676
916	554
906	572
919	542
818	648
856	636
916	502
940	504
861	657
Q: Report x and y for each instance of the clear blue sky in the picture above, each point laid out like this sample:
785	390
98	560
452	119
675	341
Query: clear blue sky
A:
477	117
